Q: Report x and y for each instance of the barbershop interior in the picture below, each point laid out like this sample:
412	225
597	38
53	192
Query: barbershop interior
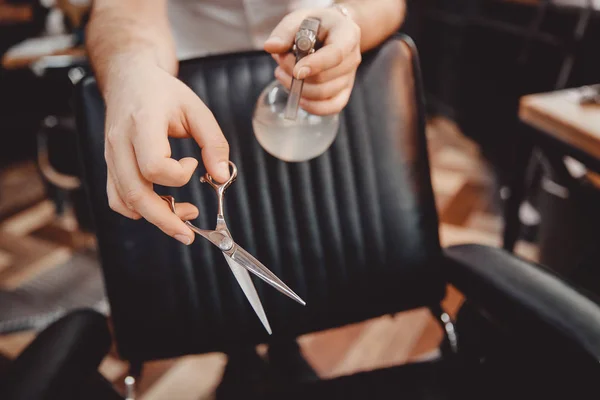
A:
405	194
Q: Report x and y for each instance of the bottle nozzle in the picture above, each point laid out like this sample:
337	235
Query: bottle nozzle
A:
304	44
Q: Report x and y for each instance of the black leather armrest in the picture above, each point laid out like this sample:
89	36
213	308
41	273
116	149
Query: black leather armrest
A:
526	297
61	359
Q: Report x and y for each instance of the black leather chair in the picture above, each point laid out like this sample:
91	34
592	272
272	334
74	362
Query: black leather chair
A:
62	362
354	232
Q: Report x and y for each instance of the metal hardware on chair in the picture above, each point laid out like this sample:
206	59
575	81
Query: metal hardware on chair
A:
130	385
62	181
450	331
135	371
76	74
448	325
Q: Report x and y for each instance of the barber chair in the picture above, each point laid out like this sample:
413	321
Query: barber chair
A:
353	232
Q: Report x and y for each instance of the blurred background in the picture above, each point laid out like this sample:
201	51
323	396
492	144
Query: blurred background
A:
514	152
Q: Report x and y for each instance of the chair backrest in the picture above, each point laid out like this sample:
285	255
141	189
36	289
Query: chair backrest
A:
354	232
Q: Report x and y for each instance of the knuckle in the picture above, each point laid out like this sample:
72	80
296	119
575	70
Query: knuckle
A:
112	136
150	170
358	58
139	116
113	204
220	145
133	197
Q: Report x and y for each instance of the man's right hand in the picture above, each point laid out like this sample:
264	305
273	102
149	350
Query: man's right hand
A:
145	105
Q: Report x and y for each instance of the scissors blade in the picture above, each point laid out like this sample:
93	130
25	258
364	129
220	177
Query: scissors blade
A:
245	281
247	261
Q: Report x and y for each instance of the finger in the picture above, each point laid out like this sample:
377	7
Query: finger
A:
205	130
349	65
137	194
317	91
329	106
286	62
186	211
341	40
156	211
153	153
283	36
114	200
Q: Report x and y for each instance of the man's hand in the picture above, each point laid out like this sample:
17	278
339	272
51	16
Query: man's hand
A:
329	72
145	106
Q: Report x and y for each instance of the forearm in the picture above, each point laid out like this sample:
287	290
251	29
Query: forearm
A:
124	31
377	19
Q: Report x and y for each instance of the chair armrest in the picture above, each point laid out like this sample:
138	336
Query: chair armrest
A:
61	359
526	297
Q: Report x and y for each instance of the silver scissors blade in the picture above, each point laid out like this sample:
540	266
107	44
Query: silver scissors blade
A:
247	261
245	281
230	249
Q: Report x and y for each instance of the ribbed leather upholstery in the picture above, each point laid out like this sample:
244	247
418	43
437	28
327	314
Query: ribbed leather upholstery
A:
354	232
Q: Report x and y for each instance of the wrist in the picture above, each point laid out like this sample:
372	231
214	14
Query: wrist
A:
122	70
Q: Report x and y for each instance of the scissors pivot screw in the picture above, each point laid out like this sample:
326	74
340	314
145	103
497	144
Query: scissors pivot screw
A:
226	244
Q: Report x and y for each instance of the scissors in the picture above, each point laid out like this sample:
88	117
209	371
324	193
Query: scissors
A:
239	260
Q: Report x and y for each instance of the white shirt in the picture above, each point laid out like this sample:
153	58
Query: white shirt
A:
203	27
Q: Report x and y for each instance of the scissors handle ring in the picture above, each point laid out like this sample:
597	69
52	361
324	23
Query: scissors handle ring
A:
220	187
171	201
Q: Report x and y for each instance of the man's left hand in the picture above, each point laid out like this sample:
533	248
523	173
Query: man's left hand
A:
329	72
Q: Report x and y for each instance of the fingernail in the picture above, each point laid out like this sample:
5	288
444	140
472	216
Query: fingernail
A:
183	239
303	73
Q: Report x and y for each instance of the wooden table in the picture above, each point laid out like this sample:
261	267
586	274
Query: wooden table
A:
562	124
558	114
563	127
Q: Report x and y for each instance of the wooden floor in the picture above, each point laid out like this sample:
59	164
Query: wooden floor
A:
33	240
